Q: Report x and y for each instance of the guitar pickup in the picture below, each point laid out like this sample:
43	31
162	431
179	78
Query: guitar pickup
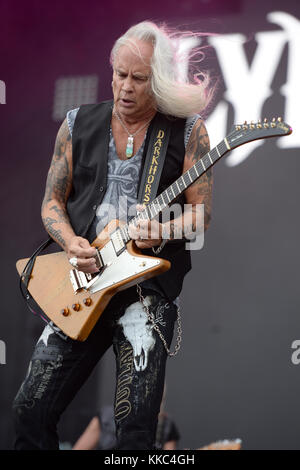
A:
99	260
118	242
81	280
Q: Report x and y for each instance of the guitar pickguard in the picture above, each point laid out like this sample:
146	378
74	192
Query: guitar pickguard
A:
120	268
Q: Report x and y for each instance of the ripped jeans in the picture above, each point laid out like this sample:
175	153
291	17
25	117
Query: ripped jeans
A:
58	368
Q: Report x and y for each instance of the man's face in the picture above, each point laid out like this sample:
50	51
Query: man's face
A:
131	80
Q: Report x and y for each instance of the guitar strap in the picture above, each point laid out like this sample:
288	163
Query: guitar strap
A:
155	157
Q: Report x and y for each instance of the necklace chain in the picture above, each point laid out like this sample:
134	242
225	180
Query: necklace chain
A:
124	127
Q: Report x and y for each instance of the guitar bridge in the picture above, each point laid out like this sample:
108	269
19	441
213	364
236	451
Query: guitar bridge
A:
99	260
79	279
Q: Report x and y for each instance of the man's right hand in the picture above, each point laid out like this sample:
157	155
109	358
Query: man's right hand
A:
81	249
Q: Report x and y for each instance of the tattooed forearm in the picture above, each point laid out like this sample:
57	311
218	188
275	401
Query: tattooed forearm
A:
204	189
186	226
62	214
58	187
56	234
59	228
190	230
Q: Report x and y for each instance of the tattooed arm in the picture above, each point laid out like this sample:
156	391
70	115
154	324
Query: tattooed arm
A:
198	195
54	212
58	187
199	192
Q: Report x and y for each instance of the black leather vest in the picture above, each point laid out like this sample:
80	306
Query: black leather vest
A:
90	140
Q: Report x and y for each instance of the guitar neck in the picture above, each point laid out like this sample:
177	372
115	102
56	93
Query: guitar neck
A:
239	135
178	187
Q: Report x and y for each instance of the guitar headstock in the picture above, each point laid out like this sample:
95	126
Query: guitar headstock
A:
247	132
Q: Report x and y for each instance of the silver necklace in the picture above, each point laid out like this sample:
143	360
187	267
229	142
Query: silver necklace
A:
129	146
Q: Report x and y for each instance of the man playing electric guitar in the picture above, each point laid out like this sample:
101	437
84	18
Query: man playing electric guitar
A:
97	162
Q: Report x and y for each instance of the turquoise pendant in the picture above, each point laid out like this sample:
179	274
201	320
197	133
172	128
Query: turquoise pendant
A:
129	147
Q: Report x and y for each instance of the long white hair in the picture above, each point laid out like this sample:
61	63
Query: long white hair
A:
173	96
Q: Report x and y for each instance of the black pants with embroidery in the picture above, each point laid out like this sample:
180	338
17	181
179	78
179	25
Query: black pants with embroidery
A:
58	368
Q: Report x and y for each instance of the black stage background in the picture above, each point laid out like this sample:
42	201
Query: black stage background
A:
234	377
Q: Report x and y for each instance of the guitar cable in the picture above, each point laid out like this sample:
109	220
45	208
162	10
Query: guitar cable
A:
24	281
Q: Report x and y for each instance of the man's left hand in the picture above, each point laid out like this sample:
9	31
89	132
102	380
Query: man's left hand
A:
147	233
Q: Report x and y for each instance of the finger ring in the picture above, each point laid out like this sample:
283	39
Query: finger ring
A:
73	262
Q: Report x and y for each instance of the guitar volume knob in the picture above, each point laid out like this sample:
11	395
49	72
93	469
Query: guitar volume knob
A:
65	312
76	307
87	301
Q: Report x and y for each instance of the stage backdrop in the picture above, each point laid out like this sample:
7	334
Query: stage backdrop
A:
237	374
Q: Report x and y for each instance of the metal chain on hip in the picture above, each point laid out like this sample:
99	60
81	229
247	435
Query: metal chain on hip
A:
156	328
156	251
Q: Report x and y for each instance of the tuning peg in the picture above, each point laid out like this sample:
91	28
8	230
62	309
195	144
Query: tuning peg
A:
259	125
273	123
238	128
279	119
265	120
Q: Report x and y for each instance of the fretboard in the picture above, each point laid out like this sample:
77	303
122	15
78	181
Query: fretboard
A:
179	186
